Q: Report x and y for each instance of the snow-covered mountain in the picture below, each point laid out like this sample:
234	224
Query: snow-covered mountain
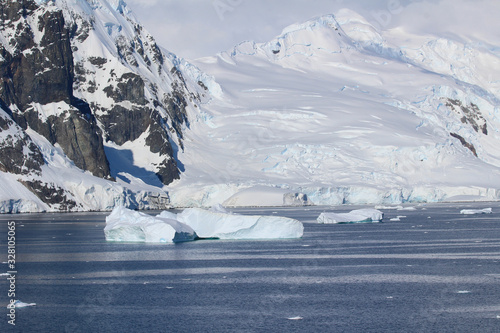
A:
334	111
94	114
92	110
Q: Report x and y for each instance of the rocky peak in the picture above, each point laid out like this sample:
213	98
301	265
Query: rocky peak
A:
85	76
37	71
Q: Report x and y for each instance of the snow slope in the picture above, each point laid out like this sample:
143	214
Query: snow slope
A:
344	113
331	111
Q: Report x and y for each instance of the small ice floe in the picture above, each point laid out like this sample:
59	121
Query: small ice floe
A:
355	216
398	218
399	207
476	211
4	274
408	208
19	304
463	292
169	287
295	318
389	207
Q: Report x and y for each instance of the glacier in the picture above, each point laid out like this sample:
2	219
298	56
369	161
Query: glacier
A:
331	111
345	114
354	216
125	225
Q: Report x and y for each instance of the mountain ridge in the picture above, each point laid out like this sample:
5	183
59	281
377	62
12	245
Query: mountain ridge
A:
404	127
72	72
331	111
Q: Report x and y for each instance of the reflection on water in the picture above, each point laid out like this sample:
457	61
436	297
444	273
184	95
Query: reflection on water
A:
408	275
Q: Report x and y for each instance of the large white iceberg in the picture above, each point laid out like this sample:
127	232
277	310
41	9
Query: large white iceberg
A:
130	226
125	225
358	215
476	211
222	225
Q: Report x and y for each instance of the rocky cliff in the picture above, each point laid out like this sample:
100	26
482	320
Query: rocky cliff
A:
85	81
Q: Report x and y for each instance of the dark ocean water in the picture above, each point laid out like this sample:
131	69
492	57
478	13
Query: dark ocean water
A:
434	271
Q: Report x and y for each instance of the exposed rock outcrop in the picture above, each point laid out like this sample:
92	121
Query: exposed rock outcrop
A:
37	71
82	84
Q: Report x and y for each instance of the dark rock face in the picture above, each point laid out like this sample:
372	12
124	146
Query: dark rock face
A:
40	73
129	112
18	153
464	142
50	194
43	73
130	87
469	114
79	97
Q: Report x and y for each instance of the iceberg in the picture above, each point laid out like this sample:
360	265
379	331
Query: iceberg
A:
358	215
476	211
125	225
222	225
18	304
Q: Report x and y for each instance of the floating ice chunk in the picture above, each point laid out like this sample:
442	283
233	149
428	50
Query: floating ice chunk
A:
397	218
389	207
476	211
125	225
408	208
209	224
359	215
19	304
399	207
295	318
